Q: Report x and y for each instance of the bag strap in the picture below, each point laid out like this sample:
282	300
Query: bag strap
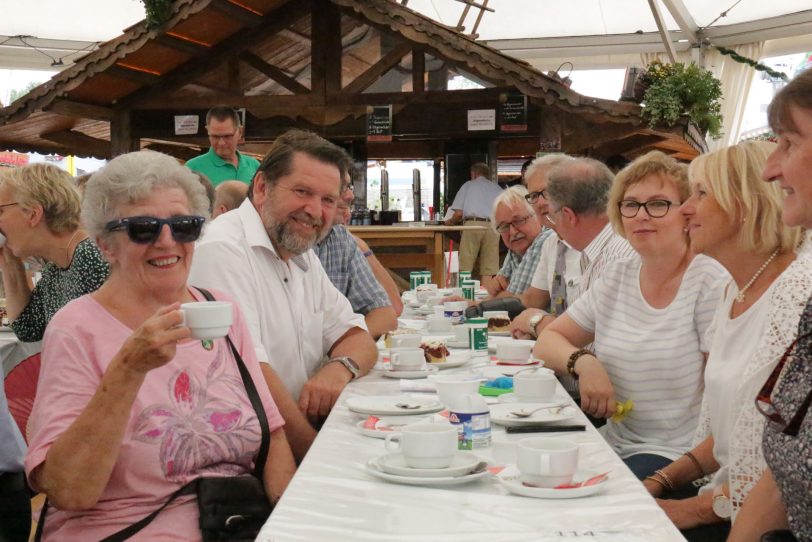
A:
262	456
127	532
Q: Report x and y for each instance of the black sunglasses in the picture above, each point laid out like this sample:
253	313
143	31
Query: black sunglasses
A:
146	229
764	403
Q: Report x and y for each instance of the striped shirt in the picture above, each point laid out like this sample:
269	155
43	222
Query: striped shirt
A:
349	271
606	247
519	270
653	356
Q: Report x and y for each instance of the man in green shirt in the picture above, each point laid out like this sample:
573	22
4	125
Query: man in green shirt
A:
223	162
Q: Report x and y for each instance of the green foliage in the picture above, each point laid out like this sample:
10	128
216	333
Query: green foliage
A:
158	12
17	93
677	89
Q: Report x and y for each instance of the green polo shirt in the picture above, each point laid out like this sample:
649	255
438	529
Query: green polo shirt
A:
218	170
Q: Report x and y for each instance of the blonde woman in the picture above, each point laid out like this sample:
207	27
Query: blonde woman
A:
646	319
39	216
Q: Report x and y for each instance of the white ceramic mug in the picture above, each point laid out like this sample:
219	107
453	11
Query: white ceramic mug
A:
513	351
207	319
438	325
406	340
461	333
546	462
425	445
426	291
452	387
534	385
407	359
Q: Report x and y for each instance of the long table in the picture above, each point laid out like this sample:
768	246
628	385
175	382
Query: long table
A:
13	351
332	497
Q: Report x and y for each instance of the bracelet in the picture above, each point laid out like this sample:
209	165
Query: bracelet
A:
693	458
657	480
367	254
573	358
668	483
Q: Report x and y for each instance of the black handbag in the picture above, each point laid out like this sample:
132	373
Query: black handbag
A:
512	305
778	536
231	508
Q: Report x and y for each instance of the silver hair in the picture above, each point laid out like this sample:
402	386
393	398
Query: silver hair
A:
132	177
546	161
511	196
582	185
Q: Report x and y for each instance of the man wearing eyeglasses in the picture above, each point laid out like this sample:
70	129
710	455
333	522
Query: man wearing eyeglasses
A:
223	161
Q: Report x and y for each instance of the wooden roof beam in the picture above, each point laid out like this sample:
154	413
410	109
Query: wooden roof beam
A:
131	74
71	108
386	63
273	72
237	12
79	143
178	43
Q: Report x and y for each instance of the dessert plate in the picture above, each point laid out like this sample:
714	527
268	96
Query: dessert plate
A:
422	373
492	340
512	399
374	468
499	333
395	463
453	343
393	405
501	414
495	371
454	359
386	425
509	479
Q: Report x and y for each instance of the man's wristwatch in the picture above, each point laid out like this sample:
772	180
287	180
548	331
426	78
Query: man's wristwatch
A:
721	504
349	363
534	321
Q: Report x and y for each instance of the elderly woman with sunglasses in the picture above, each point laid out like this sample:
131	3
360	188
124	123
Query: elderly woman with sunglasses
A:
734	218
783	497
39	216
646	319
129	408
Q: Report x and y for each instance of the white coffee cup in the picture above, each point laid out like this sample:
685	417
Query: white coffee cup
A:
546	462
425	292
406	340
456	291
513	351
407	359
452	387
438	325
207	319
425	445
461	333
534	385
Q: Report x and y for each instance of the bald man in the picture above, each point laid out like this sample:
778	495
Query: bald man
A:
228	195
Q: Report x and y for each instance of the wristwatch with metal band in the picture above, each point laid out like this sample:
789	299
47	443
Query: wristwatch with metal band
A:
349	363
534	321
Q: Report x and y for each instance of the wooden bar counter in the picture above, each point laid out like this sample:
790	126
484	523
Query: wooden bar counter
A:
410	247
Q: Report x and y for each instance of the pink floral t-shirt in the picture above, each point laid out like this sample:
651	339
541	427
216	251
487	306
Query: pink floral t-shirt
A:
191	418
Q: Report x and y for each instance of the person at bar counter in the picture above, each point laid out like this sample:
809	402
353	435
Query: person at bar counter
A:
351	274
471	207
646	320
734	218
223	161
40	218
305	332
129	408
782	499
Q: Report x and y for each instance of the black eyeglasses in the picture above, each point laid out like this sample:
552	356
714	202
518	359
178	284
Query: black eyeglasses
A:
505	226
656	208
764	403
146	229
533	197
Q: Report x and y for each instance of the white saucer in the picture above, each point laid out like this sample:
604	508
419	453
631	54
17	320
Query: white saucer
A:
395	463
453	343
424	311
499	333
454	359
495	371
374	468
511	398
501	414
494	339
387	425
422	373
509	479
387	405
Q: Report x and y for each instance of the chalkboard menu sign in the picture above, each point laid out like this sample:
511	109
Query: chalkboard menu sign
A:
379	123
513	112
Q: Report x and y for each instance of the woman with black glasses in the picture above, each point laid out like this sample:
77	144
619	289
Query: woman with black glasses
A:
646	319
39	217
129	408
783	497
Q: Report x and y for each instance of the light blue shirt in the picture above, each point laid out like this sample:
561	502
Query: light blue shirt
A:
12	445
475	198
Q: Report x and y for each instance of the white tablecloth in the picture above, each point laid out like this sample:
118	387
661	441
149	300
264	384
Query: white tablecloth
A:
332	497
12	351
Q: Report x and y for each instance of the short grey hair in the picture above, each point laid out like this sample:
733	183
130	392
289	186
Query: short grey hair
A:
513	195
546	161
130	178
581	184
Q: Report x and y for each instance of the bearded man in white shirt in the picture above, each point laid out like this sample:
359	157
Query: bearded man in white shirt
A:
304	330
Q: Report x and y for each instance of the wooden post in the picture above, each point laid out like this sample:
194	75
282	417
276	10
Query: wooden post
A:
418	71
121	136
326	50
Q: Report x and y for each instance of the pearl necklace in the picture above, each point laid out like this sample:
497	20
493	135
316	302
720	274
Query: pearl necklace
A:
740	294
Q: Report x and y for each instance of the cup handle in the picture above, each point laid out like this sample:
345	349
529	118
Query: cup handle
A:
389	442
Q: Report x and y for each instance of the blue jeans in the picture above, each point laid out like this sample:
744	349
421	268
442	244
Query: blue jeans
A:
643	465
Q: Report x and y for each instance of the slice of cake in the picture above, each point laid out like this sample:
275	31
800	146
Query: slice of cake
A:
387	338
435	351
498	323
